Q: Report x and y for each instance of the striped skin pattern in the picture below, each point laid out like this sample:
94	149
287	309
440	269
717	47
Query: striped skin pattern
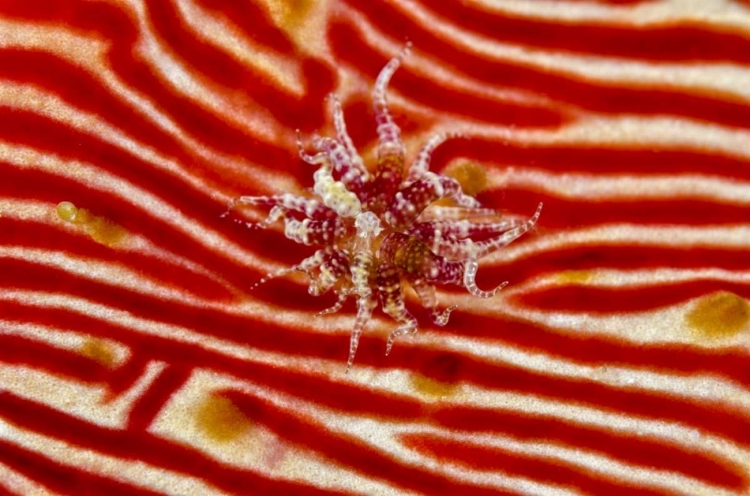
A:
138	359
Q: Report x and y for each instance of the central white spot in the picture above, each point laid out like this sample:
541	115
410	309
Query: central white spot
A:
368	225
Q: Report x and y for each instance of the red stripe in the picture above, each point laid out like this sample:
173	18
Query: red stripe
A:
643	451
605	161
717	419
600	300
145	447
254	21
627	255
149	404
348	452
603	97
660	41
498	460
676	359
16	350
64	479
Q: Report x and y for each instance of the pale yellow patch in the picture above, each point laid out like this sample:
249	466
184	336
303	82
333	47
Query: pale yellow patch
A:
432	388
290	14
220	419
100	229
471	176
719	315
98	350
575	276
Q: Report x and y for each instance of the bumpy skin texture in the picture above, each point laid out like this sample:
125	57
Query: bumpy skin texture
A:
379	229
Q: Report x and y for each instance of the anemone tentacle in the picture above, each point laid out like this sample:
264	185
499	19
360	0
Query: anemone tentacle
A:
343	136
422	163
381	229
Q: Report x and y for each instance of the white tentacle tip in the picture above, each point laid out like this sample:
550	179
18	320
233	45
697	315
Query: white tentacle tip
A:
475	291
441	319
470	273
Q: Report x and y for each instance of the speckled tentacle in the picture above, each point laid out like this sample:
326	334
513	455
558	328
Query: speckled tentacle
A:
391	296
414	257
317	159
470	274
485	247
342	296
314	232
334	267
452	239
343	136
408	203
389	134
275	214
445	213
460	229
426	293
341	162
391	150
454	249
305	266
365	306
334	193
310	207
361	275
422	163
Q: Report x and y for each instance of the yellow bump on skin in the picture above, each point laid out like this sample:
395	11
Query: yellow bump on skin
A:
101	229
432	388
290	13
98	350
575	276
220	419
719	315
471	177
105	231
67	211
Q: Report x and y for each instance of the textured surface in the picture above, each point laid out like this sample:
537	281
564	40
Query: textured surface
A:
136	359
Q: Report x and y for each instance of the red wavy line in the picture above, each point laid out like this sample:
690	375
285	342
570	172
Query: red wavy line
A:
127	374
145	447
647	452
642	451
609	160
17	350
613	98
354	399
113	23
212	62
628	255
78	88
499	460
665	41
419	88
599	300
348	452
150	403
579	212
254	21
677	359
167	236
61	478
32	235
724	421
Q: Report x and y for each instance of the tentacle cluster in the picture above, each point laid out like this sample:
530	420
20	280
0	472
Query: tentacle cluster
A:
379	229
